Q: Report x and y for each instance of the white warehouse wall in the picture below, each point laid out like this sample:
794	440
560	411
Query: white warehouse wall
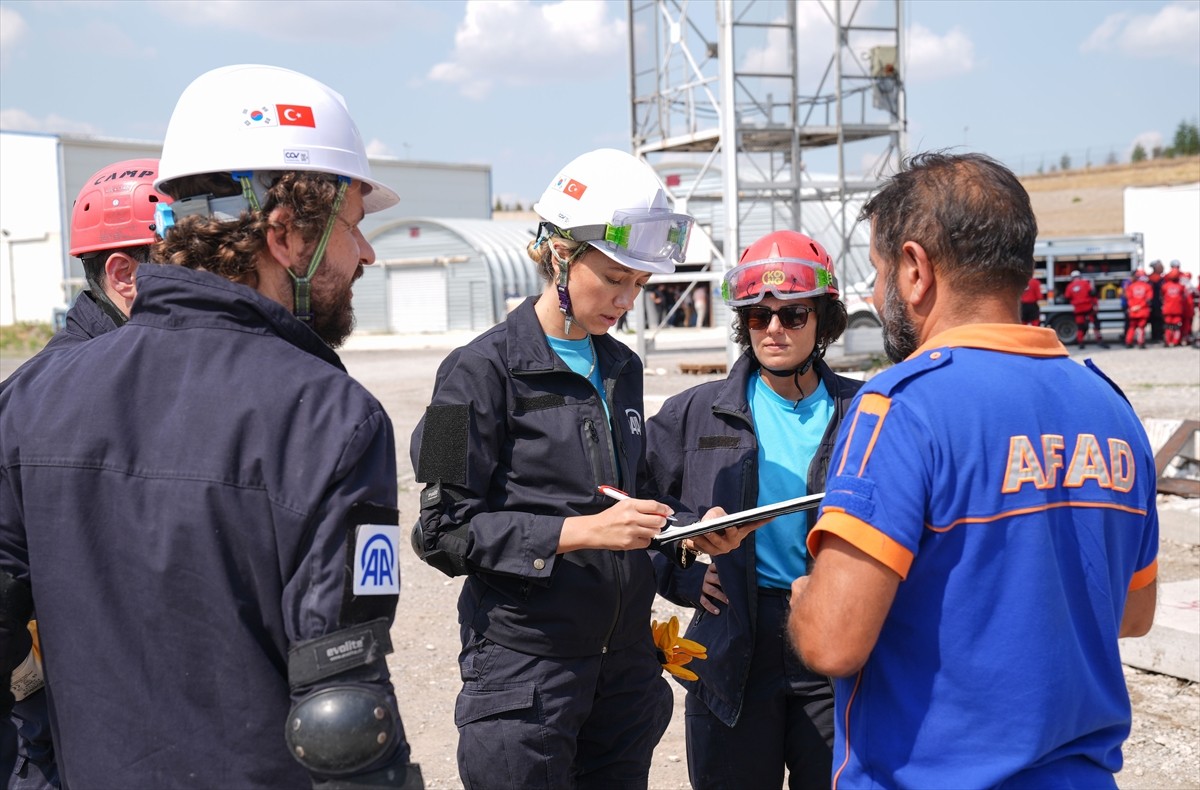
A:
40	175
31	245
1167	218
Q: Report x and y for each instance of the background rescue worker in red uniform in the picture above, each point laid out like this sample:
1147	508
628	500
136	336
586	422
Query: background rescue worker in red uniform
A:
763	434
1174	305
1031	310
1138	295
1082	297
112	228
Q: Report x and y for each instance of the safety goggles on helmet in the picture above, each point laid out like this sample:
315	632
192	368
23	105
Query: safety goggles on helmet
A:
654	235
784	278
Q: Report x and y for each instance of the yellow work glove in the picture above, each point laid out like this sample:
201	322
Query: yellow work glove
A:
675	651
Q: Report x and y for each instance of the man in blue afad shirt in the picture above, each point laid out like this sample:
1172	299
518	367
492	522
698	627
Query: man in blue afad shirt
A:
989	528
210	536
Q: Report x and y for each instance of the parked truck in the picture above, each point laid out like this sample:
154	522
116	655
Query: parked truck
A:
1109	261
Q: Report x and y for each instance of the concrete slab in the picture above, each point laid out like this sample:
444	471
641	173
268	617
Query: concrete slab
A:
1179	520
1173	645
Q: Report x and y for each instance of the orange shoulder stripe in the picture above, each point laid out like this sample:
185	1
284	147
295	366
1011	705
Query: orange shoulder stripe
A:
863	537
1144	576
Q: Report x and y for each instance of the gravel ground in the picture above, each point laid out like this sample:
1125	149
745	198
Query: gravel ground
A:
1163	750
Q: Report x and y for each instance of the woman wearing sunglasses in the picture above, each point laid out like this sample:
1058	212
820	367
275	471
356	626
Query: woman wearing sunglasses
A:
763	434
561	683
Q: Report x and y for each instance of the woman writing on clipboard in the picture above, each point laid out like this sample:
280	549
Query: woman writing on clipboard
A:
561	683
761	435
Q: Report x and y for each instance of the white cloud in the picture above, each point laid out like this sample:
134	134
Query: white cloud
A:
931	57
16	120
12	30
1172	32
313	20
502	42
378	148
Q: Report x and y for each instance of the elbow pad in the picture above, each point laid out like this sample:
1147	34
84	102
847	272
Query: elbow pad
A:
349	724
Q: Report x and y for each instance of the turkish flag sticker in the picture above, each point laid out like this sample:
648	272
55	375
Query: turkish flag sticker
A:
295	115
574	189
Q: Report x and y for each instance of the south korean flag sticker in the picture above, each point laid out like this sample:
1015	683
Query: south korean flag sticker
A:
376	563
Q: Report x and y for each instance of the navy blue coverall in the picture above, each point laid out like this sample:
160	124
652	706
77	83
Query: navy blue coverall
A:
34	766
183	526
754	707
561	683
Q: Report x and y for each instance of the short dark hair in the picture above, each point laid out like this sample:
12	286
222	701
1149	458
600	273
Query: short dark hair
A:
968	211
93	263
831	323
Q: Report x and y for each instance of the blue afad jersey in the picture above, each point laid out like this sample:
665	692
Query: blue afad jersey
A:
1013	491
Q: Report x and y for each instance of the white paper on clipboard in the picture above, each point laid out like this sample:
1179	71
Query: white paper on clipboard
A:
761	513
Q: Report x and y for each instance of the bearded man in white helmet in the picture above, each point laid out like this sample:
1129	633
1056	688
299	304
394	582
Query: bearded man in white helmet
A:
210	536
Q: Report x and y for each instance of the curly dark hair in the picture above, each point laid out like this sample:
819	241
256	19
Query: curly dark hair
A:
968	211
230	248
831	323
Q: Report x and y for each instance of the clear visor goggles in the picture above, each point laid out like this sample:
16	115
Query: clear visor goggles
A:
783	278
653	235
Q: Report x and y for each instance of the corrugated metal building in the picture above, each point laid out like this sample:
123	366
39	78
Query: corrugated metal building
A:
434	274
40	175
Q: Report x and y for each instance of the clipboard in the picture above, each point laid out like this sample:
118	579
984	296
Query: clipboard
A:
761	513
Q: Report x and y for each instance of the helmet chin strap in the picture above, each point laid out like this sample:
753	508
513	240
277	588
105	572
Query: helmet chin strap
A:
301	286
564	296
796	372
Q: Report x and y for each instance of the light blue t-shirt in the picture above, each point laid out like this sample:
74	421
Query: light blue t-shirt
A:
789	434
580	356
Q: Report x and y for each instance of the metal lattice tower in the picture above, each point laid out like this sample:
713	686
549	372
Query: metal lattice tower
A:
769	115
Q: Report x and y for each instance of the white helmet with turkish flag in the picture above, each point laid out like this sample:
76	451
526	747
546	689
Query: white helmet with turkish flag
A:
616	203
265	119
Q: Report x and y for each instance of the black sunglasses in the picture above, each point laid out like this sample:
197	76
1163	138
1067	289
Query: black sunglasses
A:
791	316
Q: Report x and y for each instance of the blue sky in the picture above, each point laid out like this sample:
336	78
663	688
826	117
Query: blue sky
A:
526	86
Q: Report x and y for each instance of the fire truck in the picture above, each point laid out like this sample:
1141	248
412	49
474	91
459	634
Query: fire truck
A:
1108	261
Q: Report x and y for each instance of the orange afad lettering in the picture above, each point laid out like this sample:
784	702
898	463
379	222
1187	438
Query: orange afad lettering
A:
1042	463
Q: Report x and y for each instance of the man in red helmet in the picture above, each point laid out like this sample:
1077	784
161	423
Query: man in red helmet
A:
112	228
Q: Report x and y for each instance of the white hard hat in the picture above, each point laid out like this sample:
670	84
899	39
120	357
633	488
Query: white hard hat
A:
616	203
1076	273
250	118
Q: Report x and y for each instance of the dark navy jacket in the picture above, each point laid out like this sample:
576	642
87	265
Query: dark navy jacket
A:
702	450
182	520
527	448
35	757
85	320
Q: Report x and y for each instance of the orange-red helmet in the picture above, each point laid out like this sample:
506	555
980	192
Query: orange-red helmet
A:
786	264
115	208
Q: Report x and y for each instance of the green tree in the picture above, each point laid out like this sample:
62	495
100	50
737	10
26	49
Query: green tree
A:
1065	162
1187	139
499	206
1139	154
1111	159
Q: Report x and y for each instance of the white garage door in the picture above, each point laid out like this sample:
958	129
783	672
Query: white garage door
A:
417	299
